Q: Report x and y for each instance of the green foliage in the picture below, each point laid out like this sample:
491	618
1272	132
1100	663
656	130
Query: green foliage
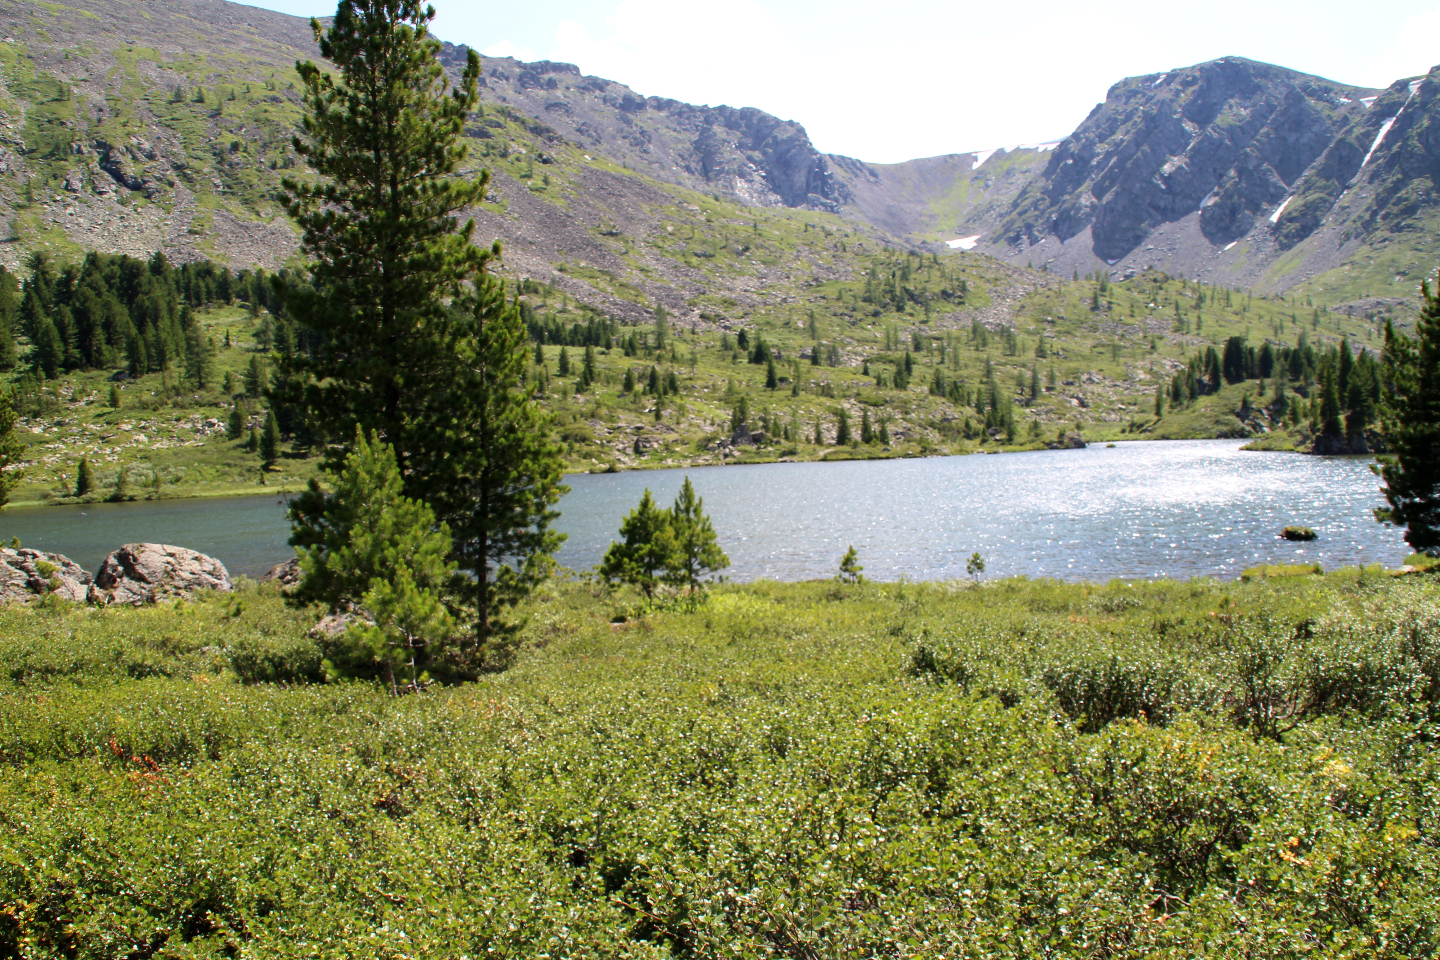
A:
697	552
647	551
975	566
1411	418
12	451
418	341
369	548
752	779
850	568
269	442
84	481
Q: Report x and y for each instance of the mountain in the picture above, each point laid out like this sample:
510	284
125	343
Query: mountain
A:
131	127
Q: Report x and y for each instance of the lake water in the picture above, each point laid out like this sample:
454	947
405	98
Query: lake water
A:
1135	510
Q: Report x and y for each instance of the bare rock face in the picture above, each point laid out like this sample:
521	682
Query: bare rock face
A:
287	574
145	572
29	575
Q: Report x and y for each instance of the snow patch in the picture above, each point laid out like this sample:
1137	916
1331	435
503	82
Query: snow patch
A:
981	156
1385	128
1368	101
1229	245
1163	78
1209	198
964	243
1275	217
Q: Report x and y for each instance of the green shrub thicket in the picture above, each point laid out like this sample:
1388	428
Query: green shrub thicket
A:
1013	769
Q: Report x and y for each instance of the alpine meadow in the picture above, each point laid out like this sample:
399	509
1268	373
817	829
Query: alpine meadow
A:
404	297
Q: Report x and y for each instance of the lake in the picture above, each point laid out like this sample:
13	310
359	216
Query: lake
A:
1136	510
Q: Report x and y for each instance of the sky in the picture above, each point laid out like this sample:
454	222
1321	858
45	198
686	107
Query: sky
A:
926	77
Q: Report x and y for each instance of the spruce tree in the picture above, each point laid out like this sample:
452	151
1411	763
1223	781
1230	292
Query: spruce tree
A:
269	441
84	482
12	450
842	428
1410	416
235	426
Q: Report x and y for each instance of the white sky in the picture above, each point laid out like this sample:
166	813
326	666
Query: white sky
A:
924	78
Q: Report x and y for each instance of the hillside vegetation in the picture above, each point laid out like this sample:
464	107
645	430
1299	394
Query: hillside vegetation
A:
1014	769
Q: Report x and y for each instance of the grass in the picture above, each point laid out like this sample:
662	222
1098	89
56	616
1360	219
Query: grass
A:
1014	769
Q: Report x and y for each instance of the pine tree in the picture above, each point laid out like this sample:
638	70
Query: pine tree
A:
385	553
1410	416
269	441
772	380
697	550
49	354
235	427
115	399
121	490
414	338
646	552
199	357
867	432
562	367
12	450
842	428
255	377
385	252
850	568
84	481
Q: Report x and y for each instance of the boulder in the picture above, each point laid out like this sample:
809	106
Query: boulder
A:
28	575
336	624
145	572
286	574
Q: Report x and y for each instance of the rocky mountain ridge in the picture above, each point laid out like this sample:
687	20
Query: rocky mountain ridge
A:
126	130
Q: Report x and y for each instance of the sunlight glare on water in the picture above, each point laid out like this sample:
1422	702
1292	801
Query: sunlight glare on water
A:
1137	510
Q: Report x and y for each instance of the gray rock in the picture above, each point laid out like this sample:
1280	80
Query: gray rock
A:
335	624
29	575
287	574
145	572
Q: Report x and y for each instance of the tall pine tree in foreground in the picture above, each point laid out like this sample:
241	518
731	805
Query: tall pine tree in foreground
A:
1410	416
414	340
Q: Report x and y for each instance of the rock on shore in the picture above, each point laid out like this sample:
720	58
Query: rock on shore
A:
29	575
145	572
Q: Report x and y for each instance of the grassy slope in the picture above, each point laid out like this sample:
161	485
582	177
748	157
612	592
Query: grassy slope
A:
1012	770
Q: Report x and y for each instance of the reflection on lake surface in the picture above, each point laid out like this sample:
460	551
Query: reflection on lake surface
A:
1137	510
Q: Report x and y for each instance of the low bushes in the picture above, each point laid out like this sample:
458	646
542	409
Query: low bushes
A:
1013	770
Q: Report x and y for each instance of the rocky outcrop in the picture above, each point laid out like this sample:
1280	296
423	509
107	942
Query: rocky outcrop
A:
146	572
287	574
29	575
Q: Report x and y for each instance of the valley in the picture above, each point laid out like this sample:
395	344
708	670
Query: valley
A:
1088	277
